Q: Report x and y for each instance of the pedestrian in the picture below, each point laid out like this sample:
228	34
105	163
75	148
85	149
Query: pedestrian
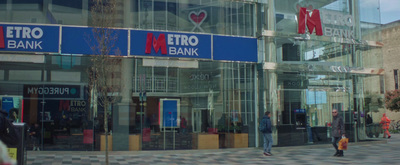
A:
385	121
34	133
14	115
8	133
183	125
369	125
266	129
338	131
369	120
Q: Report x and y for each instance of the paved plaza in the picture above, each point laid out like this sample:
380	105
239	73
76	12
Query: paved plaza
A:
375	152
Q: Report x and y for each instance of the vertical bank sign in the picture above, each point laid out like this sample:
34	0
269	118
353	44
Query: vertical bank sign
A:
312	22
166	44
327	22
29	38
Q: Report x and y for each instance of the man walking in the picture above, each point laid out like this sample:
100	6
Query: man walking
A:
266	128
337	131
385	121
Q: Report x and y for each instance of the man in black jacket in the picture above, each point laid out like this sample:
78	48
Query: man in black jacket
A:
337	131
3	115
35	133
8	133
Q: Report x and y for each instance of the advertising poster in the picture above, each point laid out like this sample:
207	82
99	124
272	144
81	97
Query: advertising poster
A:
7	103
169	108
12	152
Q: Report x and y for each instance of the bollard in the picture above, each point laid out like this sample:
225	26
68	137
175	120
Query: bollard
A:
18	152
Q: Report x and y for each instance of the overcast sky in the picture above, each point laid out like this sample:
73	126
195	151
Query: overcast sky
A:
390	11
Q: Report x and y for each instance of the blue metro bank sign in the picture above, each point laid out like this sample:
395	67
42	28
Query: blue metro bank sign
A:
29	38
167	44
80	40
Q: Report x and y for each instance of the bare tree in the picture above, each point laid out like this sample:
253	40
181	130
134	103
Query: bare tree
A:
105	65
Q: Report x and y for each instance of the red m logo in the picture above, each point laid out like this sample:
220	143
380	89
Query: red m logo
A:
157	43
2	45
64	105
312	22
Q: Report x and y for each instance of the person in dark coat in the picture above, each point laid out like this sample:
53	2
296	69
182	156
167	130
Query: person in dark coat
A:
337	131
369	125
369	120
34	133
3	116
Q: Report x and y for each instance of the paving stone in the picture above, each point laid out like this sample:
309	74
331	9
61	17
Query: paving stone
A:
377	152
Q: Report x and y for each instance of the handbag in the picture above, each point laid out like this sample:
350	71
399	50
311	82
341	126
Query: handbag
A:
343	143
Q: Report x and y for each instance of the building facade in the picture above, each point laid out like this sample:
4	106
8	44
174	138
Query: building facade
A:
390	34
192	74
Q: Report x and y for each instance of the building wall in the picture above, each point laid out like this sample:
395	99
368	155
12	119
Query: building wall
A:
391	56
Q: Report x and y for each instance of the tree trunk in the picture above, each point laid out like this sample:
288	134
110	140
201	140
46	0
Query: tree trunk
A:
106	129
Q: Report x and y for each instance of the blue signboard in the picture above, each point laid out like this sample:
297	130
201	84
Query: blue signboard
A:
234	48
170	112
299	111
82	40
29	38
167	44
7	103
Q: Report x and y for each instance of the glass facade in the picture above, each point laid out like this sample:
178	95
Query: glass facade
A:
308	75
300	78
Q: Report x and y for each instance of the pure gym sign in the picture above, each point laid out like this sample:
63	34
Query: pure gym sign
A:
326	22
29	38
50	91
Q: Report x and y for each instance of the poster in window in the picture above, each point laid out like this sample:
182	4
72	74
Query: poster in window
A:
170	111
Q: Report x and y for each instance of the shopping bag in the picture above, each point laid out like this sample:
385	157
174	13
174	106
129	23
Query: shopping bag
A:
343	143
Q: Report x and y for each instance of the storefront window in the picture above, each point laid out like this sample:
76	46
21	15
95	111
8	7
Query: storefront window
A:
304	105
52	93
314	52
217	99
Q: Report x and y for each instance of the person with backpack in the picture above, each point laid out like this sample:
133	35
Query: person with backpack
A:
8	132
265	128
